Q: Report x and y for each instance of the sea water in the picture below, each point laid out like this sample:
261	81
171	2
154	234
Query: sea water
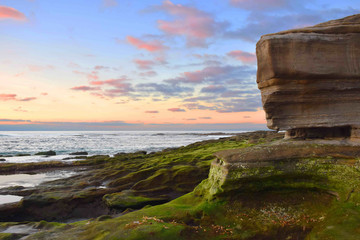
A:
94	142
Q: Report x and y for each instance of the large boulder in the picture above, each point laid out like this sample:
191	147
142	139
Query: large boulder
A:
310	79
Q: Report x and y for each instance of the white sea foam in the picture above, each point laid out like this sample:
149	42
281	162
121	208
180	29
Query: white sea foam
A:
93	142
32	180
4	199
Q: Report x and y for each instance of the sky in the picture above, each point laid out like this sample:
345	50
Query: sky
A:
135	65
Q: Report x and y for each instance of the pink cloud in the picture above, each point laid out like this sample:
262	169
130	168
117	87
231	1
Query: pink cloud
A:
44	94
120	86
205	117
28	99
151	111
99	95
93	75
85	88
11	13
19	74
119	91
245	57
196	25
7	97
99	67
151	46
13	97
108	88
119	82
176	110
144	64
259	4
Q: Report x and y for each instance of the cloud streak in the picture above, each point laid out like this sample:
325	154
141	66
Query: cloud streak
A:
214	74
7	97
28	99
85	88
116	125
144	64
244	57
13	97
11	13
166	89
151	46
195	25
176	110
107	88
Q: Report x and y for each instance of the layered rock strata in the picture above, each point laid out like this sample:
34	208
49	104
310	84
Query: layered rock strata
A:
310	79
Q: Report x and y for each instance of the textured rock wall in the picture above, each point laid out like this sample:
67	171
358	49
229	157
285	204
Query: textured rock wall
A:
310	77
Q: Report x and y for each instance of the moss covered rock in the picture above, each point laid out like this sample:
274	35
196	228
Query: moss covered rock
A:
256	192
129	199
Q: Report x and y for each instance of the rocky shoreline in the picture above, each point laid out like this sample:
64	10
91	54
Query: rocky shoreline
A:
116	185
249	186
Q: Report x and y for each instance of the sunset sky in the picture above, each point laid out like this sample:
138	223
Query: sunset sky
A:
125	64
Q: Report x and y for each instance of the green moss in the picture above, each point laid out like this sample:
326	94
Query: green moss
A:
127	199
166	175
342	222
9	236
47	225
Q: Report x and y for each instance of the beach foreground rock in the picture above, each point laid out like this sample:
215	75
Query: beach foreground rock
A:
310	79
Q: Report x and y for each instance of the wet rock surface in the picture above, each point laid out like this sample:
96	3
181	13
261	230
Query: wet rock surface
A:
310	77
259	187
47	153
282	163
110	185
79	153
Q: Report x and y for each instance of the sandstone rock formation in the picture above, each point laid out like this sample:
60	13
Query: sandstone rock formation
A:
310	79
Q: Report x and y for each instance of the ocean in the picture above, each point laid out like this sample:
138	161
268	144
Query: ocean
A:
94	142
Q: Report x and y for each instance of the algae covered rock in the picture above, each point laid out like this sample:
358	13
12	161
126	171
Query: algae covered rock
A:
294	164
79	153
47	153
129	199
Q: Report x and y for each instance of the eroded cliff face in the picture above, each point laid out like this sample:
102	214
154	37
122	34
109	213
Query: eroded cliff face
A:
310	79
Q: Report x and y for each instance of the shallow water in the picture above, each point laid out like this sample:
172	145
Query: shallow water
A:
9	199
32	180
21	229
28	159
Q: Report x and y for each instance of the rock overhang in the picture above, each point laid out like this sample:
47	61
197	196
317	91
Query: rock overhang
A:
310	78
